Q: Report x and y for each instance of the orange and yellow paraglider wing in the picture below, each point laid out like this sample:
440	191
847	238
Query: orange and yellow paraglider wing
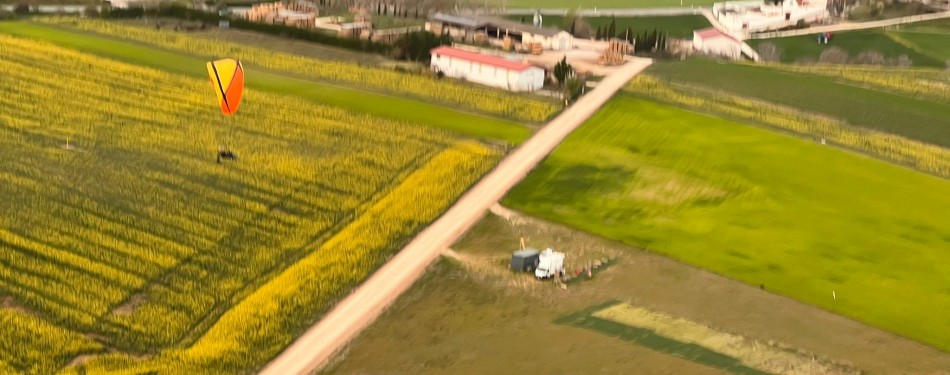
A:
227	79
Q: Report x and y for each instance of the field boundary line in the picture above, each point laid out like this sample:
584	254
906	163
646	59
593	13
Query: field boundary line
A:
312	350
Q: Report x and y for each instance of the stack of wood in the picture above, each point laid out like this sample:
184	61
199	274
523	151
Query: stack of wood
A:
536	48
614	54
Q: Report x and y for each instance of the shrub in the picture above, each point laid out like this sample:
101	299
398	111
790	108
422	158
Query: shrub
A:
833	55
870	58
22	8
769	52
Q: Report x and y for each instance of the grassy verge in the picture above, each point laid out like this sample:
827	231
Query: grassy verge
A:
357	100
802	219
805	49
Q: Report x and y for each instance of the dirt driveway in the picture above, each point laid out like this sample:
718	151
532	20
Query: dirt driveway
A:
316	346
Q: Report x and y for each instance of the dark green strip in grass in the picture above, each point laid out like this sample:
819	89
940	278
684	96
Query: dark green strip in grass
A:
463	123
648	338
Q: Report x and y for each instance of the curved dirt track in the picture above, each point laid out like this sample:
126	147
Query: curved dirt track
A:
315	347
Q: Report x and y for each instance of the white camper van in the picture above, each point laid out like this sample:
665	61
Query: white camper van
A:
549	263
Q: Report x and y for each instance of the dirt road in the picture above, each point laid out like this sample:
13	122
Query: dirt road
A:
315	347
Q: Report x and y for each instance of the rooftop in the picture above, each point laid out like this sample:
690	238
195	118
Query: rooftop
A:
481	21
480	58
712	32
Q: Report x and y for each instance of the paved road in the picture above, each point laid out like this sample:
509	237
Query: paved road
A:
626	12
315	347
852	26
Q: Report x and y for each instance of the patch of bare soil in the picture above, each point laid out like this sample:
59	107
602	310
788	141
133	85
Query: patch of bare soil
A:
129	306
80	360
10	303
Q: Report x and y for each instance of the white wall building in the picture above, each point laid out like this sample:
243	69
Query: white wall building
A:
486	69
758	16
711	41
559	41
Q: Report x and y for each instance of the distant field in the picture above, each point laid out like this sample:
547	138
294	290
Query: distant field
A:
799	218
382	105
676	26
924	120
122	238
427	88
615	4
926	47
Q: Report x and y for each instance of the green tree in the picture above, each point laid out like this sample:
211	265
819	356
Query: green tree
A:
22	8
612	29
562	70
600	33
416	45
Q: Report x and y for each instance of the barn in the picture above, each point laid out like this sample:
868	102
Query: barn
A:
494	30
713	42
512	75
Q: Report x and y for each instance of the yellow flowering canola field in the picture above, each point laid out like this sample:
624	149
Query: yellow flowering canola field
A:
131	240
444	91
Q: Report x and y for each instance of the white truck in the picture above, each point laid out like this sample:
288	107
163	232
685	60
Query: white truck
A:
549	263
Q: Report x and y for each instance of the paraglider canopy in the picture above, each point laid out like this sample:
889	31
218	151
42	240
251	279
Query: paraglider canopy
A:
227	78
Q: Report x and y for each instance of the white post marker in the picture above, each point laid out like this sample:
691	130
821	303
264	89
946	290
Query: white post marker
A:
833	296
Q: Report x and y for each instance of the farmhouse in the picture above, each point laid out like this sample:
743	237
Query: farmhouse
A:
297	14
764	15
500	32
713	42
486	69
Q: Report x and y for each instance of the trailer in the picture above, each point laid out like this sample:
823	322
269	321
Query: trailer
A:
524	260
550	263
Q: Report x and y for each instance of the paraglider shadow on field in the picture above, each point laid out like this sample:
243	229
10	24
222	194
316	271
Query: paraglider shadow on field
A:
226	154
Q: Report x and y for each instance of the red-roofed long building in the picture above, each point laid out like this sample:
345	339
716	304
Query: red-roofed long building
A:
488	70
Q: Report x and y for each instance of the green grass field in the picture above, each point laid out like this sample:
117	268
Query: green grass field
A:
919	119
367	102
930	38
797	217
612	4
925	43
676	26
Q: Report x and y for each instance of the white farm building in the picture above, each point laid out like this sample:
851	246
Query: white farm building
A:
711	41
486	69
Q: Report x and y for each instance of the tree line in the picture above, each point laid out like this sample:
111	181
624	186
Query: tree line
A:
645	41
